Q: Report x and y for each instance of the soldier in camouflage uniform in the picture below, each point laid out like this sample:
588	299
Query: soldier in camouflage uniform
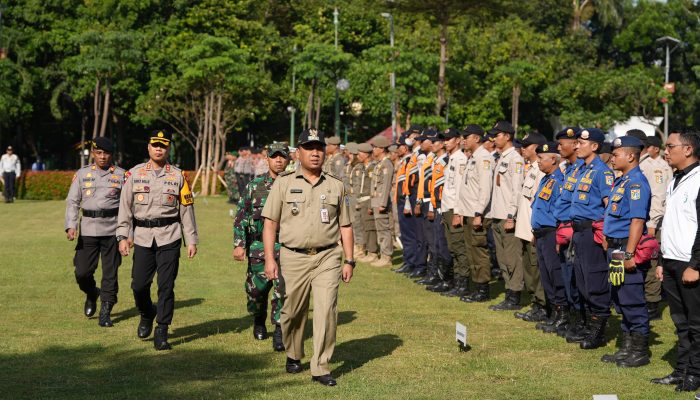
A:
247	239
230	178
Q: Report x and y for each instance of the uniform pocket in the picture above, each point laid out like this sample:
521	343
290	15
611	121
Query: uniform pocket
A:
169	200
141	198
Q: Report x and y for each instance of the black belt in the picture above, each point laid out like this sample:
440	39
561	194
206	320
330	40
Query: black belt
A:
312	251
101	213
540	232
156	223
614	242
582	225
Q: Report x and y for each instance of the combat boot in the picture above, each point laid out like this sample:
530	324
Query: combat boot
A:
105	310
259	328
480	295
146	323
560	316
596	334
405	268
369	258
460	288
654	311
511	302
536	313
383	261
431	278
90	306
277	344
622	353
577	331
638	354
160	338
441	287
418	272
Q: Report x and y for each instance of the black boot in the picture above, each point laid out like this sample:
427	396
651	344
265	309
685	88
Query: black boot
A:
480	295
430	278
417	272
259	329
596	334
90	306
638	354
624	351
403	269
560	319
160	338
277	344
654	311
105	310
536	313
146	323
511	302
441	287
578	330
457	287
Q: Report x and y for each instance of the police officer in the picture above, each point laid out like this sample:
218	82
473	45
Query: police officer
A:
409	147
425	233
380	200
157	207
95	190
443	258
364	204
474	204
588	202
544	229
625	219
357	186
310	210
335	162
523	228
247	240
507	183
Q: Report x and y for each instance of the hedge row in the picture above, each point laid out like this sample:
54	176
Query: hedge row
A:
54	185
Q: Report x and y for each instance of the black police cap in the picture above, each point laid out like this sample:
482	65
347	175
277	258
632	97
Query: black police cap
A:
533	138
311	136
103	143
473	129
505	127
162	137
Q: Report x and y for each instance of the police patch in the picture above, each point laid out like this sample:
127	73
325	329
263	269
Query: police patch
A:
487	164
609	179
635	194
659	179
518	168
461	168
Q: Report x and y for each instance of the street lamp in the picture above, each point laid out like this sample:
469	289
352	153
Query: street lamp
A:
292	111
671	44
341	86
392	78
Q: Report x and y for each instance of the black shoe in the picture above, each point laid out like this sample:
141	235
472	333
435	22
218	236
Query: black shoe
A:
511	302
622	353
417	273
536	313
403	269
259	332
90	306
293	366
596	335
325	380
638	354
277	344
429	280
577	330
105	310
459	289
654	311
690	383
146	323
442	287
480	295
160	338
558	319
673	378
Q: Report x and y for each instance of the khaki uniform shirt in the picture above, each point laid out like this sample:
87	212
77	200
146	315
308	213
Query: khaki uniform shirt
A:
365	192
475	194
659	174
298	206
147	196
357	179
507	183
94	189
533	176
381	183
454	180
335	165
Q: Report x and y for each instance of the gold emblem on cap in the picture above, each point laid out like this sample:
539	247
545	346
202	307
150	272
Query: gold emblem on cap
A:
570	132
545	147
313	134
160	134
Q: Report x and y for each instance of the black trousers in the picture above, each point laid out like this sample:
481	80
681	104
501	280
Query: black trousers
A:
87	254
550	268
684	303
9	190
147	261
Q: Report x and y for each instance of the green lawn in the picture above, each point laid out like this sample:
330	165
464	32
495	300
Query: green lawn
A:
395	340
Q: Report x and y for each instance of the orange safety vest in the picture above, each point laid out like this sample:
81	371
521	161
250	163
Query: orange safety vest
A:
411	173
400	180
437	181
425	172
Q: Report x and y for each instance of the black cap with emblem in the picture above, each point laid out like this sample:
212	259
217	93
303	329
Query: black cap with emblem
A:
311	136
162	137
102	143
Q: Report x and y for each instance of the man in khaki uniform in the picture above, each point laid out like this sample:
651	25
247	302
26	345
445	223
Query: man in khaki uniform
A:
335	161
364	204
507	183
157	207
474	204
380	200
310	210
523	229
395	162
95	190
357	186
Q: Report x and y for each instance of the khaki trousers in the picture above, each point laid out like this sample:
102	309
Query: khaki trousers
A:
477	245
456	244
383	223
508	253
531	273
304	275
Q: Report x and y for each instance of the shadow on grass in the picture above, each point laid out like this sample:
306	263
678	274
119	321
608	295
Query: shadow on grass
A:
210	328
98	372
356	353
134	312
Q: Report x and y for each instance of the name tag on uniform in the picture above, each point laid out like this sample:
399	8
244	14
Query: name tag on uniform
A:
324	216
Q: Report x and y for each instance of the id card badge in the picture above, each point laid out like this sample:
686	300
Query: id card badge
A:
324	216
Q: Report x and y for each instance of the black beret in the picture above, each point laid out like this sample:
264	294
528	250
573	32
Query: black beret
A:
103	143
653	141
548	147
639	134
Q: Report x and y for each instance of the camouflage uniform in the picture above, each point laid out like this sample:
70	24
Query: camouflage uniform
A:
247	233
231	184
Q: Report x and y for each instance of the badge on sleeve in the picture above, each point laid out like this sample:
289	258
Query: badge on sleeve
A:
609	179
186	198
635	194
127	174
518	168
487	165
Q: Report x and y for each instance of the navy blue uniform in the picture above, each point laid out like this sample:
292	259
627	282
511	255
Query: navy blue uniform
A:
591	262
630	199
544	227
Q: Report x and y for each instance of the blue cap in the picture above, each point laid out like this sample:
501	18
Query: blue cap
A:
548	147
428	134
451	133
517	143
593	135
569	132
627	141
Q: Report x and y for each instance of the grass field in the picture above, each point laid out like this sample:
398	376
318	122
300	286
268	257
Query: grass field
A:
395	340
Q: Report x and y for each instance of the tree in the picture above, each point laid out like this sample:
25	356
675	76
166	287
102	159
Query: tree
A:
608	12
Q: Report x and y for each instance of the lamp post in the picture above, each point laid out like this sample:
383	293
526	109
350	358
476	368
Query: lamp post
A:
671	44
291	109
392	78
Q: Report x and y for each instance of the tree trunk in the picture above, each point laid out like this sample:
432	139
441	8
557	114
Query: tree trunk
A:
441	72
217	147
516	106
318	111
105	110
96	108
83	134
210	142
310	104
205	147
578	7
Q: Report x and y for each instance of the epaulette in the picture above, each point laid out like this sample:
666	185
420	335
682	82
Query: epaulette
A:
285	173
333	176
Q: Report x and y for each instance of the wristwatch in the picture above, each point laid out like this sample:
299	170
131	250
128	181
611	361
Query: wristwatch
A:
350	263
120	238
629	256
477	214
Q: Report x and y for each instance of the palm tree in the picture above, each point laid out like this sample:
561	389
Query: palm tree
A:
608	11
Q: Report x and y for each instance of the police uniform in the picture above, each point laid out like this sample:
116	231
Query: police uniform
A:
412	221
352	198
365	204
247	233
507	183
590	264
310	217
475	200
157	207
426	238
406	180
380	202
455	171
443	257
544	228
631	199
96	192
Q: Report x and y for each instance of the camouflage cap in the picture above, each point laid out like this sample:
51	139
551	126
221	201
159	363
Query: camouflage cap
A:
278	147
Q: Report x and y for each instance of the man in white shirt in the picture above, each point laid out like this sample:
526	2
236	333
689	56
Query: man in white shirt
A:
11	170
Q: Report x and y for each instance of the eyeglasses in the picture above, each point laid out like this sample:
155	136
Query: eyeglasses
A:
671	146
